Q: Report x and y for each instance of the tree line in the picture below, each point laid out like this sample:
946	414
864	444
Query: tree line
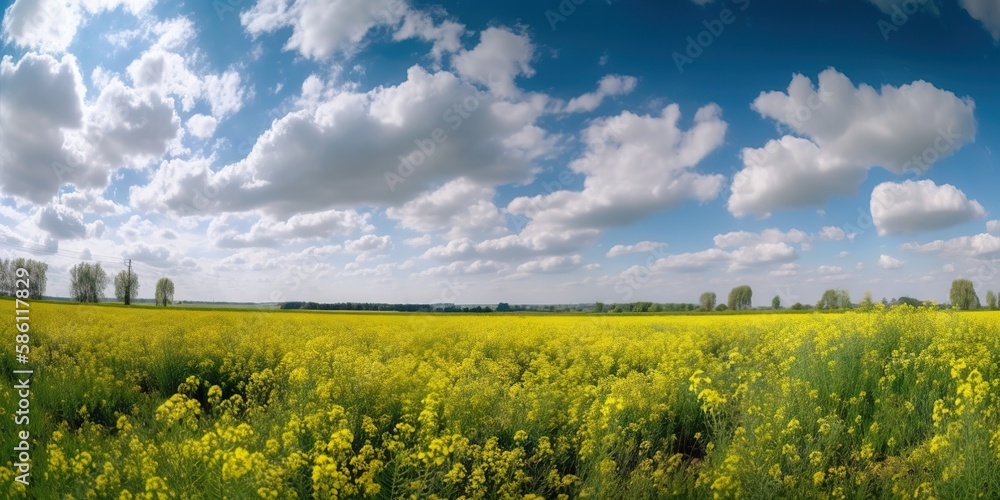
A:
88	282
37	280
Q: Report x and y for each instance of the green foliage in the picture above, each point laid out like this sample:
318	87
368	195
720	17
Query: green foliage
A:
598	307
707	301
126	287
867	303
164	291
37	279
741	298
503	307
776	303
991	300
835	299
963	295
87	282
721	307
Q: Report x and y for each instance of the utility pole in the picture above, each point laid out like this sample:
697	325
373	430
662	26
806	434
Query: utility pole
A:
128	283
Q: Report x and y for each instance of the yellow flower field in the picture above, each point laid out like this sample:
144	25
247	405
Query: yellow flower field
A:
170	403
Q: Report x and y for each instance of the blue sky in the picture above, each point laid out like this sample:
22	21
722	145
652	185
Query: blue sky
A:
531	152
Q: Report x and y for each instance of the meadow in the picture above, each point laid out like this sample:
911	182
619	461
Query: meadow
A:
174	403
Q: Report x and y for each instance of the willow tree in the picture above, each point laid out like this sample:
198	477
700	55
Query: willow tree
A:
963	295
741	298
164	291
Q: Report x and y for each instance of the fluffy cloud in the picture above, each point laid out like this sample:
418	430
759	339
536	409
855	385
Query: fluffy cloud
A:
445	36
383	147
460	207
642	246
202	126
50	25
887	262
831	233
829	269
915	206
980	246
499	58
551	265
785	270
42	97
993	227
464	268
847	130
634	166
986	12
61	223
609	86
267	232
322	27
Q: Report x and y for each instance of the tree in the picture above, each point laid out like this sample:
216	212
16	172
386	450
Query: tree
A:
503	307
963	295
598	307
910	301
721	307
87	282
741	298
37	280
776	303
835	299
126	287
798	306
707	301
165	292
867	303
991	299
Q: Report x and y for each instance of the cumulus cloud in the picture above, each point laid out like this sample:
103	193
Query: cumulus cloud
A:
464	268
202	126
842	132
61	222
551	265
269	232
634	166
986	12
979	246
499	58
459	207
831	233
915	206
383	147
993	227
51	25
785	270
609	86
642	246
887	262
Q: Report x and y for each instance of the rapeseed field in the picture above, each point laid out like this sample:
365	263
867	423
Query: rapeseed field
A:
168	403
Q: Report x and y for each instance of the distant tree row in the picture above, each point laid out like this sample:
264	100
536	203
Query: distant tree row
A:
87	282
37	280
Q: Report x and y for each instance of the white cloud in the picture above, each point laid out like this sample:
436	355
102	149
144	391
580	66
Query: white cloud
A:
551	265
986	12
499	58
464	268
419	241
847	130
346	151
634	166
369	243
269	232
460	207
202	126
321	28
91	202
829	269
785	270
42	98
445	36
773	235
843	254
642	246
887	262
224	93
948	268
694	261
831	233
61	223
609	86
979	246
993	227
915	206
